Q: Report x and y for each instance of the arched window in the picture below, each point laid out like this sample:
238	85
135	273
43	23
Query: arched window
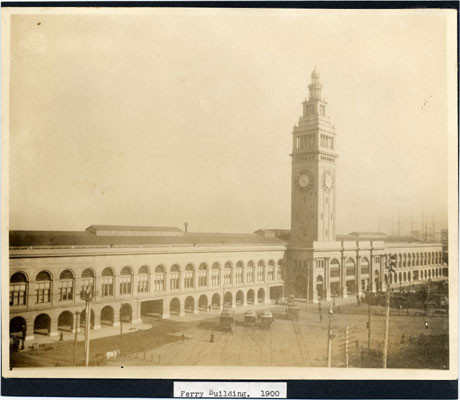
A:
228	273
215	274
364	266
279	270
143	279
188	276
126	279
66	282
250	272
43	287
174	283
350	267
18	289
260	270
159	282
107	282
271	270
334	268
87	282
203	275
239	272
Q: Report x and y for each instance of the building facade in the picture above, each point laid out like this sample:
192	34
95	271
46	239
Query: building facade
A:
136	271
135	274
319	263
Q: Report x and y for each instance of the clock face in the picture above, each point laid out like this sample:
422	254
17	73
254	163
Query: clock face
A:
327	180
304	180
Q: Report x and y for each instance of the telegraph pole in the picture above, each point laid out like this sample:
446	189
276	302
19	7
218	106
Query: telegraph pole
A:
308	288
88	296
329	339
392	264
121	324
368	324
76	326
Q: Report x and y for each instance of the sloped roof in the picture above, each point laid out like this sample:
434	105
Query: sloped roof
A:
85	238
133	228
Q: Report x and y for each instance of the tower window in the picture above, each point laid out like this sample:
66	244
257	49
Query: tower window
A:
322	110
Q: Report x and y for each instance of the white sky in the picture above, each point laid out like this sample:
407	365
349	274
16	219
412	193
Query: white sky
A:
186	115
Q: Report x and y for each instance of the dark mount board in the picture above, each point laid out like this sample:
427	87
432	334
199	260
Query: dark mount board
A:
297	389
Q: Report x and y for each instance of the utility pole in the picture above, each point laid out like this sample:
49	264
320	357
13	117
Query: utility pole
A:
387	325
121	324
308	288
392	264
368	324
346	346
329	339
77	323
88	296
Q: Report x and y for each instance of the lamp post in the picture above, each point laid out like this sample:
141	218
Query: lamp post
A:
88	296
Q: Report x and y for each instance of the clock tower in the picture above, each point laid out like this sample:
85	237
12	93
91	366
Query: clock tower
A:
313	172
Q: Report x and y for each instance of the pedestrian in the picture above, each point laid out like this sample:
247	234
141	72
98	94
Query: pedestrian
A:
183	337
403	338
320	317
61	336
212	337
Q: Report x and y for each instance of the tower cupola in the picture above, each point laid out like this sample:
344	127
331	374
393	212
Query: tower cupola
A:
315	86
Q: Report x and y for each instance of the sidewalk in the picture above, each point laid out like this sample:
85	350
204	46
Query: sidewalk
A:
104	331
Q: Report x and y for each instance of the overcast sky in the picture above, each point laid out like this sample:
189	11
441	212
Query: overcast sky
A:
187	115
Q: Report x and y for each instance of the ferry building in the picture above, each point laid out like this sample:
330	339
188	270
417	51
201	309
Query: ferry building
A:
166	271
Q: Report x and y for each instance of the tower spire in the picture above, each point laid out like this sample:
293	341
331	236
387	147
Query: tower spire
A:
315	86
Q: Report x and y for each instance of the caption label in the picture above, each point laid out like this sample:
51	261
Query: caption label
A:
230	390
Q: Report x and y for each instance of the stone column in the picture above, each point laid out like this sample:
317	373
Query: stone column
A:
167	277
137	319
75	323
181	308
116	286
53	327
327	280
30	329
97	318
314	290
196	305
358	273
195	278
343	278
135	284
165	309
116	315
221	304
